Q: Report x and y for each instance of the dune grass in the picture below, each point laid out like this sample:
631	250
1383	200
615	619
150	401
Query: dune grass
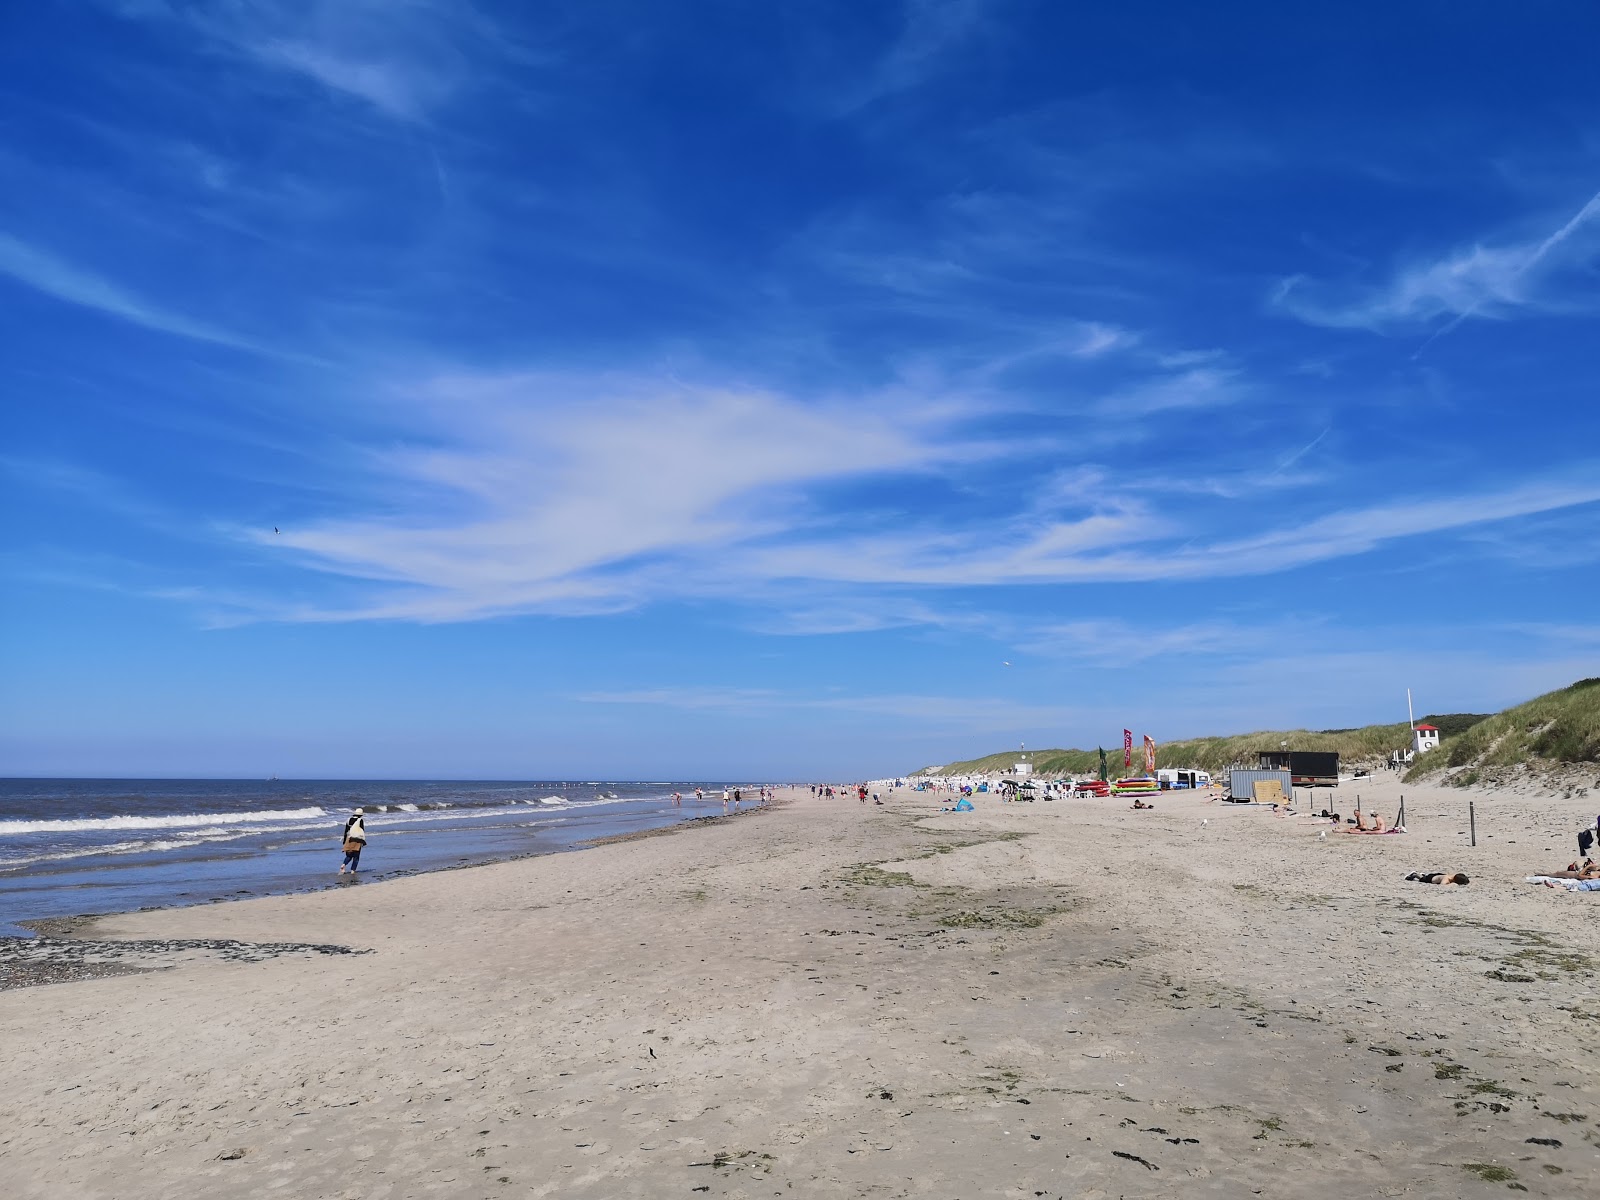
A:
1558	727
1369	744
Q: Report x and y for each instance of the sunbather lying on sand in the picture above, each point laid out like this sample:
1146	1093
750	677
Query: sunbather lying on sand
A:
1142	804
1587	869
1444	878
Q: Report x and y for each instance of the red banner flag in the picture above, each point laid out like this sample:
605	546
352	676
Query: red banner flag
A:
1127	747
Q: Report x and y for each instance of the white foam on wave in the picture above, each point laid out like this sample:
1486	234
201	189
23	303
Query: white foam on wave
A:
165	821
609	800
183	841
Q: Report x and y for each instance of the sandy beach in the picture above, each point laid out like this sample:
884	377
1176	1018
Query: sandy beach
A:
830	999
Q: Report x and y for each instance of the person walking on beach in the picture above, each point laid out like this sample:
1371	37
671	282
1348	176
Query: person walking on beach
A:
355	838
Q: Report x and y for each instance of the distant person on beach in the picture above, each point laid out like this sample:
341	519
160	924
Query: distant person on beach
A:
726	796
355	838
699	794
677	799
1443	878
1377	825
737	796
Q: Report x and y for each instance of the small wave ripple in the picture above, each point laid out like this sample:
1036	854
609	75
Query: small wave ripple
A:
163	821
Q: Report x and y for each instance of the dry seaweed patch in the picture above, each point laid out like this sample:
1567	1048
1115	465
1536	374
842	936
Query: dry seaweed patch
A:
1531	951
1488	1087
951	906
997	918
960	840
873	875
1556	959
1490	1172
964	842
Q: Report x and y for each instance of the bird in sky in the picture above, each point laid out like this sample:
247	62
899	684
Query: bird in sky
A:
274	529
1005	664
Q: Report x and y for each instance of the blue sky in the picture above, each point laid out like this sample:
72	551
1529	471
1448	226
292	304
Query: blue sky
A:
708	389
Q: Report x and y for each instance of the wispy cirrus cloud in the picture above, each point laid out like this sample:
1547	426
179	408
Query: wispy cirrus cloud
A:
965	712
1113	641
1494	281
1127	542
551	493
928	33
403	58
1197	387
44	272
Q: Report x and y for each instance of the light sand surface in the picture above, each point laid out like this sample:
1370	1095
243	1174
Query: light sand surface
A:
825	999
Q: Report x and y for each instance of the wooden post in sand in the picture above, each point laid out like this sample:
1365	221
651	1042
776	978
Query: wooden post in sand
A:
1472	822
1400	821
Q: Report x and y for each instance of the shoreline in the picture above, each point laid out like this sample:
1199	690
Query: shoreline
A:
1066	997
54	951
238	869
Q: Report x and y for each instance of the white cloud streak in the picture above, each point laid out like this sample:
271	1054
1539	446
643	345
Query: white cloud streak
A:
1476	281
1112	642
54	277
565	496
403	58
930	31
554	494
965	712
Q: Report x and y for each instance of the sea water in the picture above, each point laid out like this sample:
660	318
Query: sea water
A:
75	846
